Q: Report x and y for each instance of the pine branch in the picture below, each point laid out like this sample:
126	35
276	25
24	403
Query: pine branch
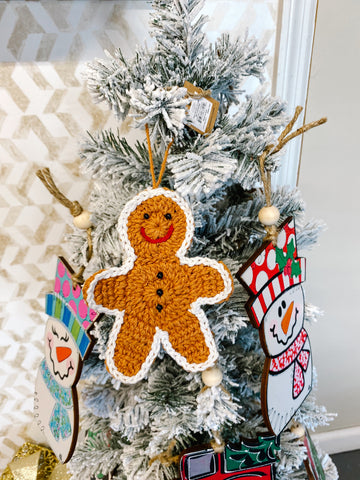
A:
108	157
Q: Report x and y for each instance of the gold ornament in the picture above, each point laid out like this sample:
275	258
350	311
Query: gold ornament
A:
31	462
26	468
60	473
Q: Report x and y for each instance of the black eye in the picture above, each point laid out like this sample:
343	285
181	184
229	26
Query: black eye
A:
279	312
54	331
283	304
168	216
146	216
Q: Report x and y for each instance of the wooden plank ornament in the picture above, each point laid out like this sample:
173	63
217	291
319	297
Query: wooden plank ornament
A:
67	344
248	460
313	465
273	276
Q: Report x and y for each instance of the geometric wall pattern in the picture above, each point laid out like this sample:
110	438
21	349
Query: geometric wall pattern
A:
44	110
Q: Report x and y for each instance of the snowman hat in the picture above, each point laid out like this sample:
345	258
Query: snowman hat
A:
67	304
272	270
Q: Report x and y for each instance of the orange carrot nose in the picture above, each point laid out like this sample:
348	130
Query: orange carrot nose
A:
62	353
287	317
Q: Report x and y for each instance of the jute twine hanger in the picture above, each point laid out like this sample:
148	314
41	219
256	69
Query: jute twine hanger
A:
166	458
156	183
75	210
283	139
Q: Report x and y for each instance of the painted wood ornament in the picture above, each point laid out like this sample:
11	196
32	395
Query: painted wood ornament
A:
313	464
67	343
274	276
157	294
248	460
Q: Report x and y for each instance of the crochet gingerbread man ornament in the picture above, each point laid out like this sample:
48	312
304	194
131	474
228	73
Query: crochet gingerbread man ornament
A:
156	295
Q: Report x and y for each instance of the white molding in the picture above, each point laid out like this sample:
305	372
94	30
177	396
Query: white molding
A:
294	58
336	441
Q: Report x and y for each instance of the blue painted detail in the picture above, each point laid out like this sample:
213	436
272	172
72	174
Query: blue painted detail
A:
84	345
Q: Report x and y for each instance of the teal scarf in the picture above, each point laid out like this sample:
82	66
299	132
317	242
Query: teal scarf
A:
60	425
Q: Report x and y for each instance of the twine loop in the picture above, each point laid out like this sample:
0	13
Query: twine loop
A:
265	174
156	183
75	209
46	178
271	234
77	277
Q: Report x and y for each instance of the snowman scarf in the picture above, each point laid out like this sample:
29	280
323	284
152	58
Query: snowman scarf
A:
297	355
60	425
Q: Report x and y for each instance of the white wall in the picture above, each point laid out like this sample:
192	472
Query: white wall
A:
330	184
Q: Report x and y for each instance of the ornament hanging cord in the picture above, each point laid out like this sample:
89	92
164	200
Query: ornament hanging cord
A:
282	140
166	458
75	210
156	183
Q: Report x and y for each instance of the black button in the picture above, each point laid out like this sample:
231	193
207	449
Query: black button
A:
160	275
159	292
159	307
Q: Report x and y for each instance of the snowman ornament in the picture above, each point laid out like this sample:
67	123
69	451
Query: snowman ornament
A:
274	276
67	343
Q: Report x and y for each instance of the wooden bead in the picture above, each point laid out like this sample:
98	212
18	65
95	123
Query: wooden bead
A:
83	220
298	430
269	215
212	377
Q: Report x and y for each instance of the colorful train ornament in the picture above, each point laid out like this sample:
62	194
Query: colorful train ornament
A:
248	460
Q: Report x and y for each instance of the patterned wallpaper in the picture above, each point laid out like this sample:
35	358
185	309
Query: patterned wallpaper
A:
44	110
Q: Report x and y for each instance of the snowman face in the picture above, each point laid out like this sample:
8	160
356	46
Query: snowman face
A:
284	320
61	353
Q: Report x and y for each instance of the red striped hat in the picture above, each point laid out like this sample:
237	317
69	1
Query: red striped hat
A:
271	270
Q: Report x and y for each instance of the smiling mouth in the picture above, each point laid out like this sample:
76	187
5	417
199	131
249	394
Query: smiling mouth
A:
56	372
275	335
157	240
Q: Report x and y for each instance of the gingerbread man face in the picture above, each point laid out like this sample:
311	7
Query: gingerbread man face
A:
156	295
157	227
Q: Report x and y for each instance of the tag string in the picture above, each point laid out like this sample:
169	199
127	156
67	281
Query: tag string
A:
201	94
156	183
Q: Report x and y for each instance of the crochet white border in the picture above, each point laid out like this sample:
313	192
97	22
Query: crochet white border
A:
161	337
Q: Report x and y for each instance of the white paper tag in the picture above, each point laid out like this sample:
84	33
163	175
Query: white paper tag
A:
199	113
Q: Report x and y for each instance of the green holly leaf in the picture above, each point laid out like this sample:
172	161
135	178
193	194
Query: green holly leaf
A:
251	453
295	269
281	259
290	250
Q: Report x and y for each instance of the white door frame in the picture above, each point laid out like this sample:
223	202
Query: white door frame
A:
297	29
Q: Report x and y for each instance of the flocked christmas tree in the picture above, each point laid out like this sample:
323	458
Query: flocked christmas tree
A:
137	430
